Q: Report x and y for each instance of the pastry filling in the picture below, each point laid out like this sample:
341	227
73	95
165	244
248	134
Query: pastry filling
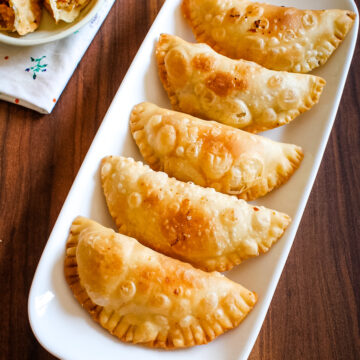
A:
7	16
69	5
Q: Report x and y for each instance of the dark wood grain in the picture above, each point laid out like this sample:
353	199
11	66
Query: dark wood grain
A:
315	312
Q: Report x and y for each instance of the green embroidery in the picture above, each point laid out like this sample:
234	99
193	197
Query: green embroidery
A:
38	67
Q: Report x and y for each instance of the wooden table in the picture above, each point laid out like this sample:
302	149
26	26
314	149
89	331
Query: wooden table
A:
315	311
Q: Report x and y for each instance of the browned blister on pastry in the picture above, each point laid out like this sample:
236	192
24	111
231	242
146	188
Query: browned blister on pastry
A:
210	230
22	16
65	10
277	37
210	154
143	297
238	93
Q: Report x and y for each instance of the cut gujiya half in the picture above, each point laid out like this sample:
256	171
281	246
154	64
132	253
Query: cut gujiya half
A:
67	10
22	16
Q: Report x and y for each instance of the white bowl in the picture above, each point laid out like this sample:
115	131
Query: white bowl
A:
50	31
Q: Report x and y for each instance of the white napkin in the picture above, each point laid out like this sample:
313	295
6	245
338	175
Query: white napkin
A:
35	76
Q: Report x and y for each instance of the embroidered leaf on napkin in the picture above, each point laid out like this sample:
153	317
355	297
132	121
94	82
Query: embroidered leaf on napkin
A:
38	67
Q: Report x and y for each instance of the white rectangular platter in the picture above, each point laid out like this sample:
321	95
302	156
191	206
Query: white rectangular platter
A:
60	324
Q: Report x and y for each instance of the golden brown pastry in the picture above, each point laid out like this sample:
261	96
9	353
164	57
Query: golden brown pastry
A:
210	154
67	10
210	230
239	93
277	37
143	297
22	16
